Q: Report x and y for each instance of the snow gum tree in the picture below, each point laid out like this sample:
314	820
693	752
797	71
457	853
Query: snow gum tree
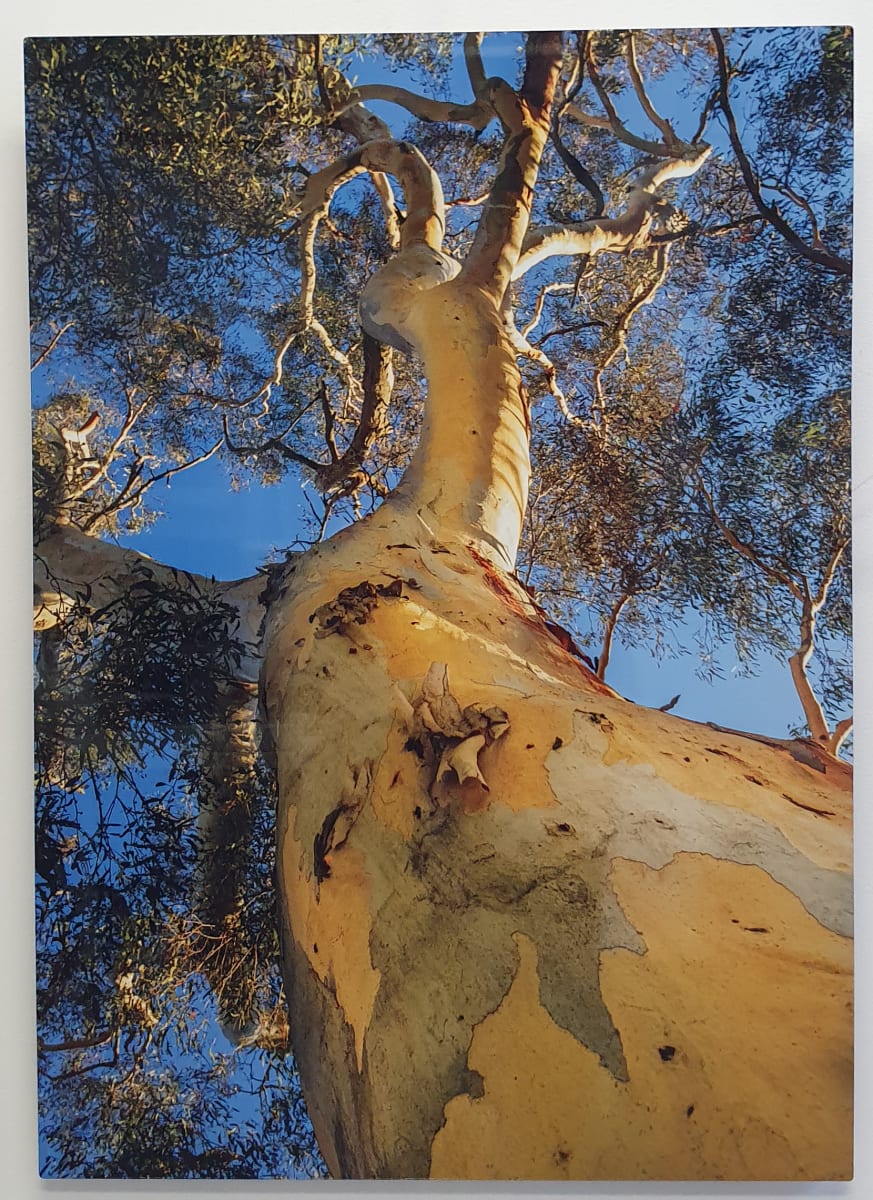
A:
529	929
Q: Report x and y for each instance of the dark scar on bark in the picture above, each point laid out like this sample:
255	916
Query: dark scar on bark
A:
324	842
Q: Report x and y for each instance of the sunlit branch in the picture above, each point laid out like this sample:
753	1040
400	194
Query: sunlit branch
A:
134	412
526	118
385	193
798	663
829	572
670	147
629	230
842	729
549	289
473	61
43	355
524	349
618	332
810	606
477	114
770	212
467	201
363	126
342	360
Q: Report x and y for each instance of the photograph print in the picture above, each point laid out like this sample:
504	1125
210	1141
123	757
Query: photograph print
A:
442	599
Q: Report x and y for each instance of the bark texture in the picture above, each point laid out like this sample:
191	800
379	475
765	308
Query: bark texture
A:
532	930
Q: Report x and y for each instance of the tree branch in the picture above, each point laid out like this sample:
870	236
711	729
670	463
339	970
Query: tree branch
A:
43	355
363	126
618	332
666	129
477	114
608	634
274	443
809	608
128	497
72	567
748	551
841	732
378	386
629	230
526	116
797	664
770	212
99	1039
830	571
576	169
473	61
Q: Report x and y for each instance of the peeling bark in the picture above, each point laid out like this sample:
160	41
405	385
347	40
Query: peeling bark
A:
578	890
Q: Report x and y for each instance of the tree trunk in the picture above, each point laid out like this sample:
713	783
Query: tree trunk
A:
531	929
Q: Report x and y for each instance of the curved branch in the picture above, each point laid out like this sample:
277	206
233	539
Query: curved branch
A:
524	349
841	732
618	332
642	95
797	664
473	61
576	169
609	625
378	386
625	232
570	161
363	126
770	212
670	147
478	113
748	551
829	572
548	289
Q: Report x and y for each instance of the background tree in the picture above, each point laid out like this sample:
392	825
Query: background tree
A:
199	320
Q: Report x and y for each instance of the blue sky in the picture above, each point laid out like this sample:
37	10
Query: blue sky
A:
215	530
